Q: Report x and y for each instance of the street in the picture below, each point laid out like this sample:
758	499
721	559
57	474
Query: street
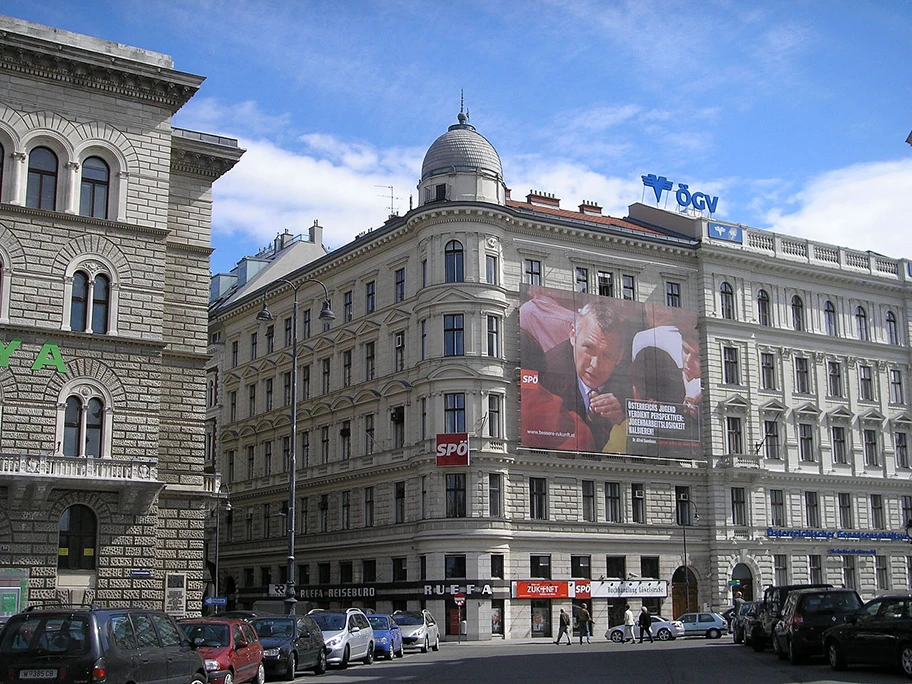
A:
683	661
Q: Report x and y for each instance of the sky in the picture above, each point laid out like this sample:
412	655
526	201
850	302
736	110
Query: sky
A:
793	113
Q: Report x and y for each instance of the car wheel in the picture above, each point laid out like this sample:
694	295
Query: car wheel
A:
777	649
198	679
738	636
369	656
291	666
616	636
713	633
229	678
260	675
401	652
320	667
346	654
796	656
905	659
834	655
427	645
757	642
664	635
436	645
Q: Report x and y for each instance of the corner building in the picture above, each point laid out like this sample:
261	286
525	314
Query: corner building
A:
448	321
105	213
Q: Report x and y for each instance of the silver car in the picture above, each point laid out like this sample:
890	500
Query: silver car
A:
348	635
709	625
419	629
662	629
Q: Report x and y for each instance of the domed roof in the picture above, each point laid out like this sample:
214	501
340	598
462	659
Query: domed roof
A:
461	149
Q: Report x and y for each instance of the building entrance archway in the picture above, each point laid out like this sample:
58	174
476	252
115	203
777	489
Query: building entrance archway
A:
745	579
684	592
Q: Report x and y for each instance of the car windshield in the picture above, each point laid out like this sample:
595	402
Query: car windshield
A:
830	603
378	621
408	618
329	622
269	628
65	635
206	635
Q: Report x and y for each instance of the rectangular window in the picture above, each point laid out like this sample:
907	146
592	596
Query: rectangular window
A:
232	406
840	449
491	269
305	382
495	430
581	567
588	502
638	507
683	509
422	408
399	276
423	340
777	508
865	383
906	504
323	513
369	571
673	295
881	575
399	503
267	520
455	495
267	458
532	270
613	502
494	336
497	566
846	520
370	297
540	567
848	572
878	521
834	378
345	509
347	368
253	346
771	439
815	569
733	435
400	570
780	568
767	371
872	455
454	412
901	443
582	279
802	375
234	354
811	509
348	306
305	324
739	506
605	284
806	442
454	567
399	352
495	495
251	400
453	335
628	287
251	462
368	434
288	331
616	566
270	339
897	395
325	375
731	371
424	273
286	453
305	449
538	498
369	359
397	418
368	506
345	440
286	389
324	444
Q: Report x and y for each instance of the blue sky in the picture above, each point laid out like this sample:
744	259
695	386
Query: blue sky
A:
794	114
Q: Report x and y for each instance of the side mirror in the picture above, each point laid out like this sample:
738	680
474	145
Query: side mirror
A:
354	629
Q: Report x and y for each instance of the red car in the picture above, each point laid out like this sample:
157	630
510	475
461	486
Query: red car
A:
231	649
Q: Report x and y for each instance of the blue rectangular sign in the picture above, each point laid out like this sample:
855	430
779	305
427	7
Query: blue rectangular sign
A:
141	574
215	601
720	231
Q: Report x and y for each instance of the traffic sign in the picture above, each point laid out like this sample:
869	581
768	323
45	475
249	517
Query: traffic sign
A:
459	598
215	601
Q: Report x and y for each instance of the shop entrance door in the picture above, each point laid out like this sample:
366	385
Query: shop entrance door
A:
541	619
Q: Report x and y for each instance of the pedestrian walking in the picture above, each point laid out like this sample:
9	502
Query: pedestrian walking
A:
645	622
583	624
564	628
628	624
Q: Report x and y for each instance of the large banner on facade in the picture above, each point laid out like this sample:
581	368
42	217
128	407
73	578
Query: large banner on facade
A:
601	374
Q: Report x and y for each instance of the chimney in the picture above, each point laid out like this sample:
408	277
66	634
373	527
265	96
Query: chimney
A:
282	241
543	199
590	208
316	233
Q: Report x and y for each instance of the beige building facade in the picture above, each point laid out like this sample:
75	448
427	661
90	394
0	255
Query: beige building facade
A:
105	212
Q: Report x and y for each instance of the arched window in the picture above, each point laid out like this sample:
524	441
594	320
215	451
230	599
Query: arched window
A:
797	313
42	179
83	427
77	540
727	300
861	323
101	296
79	301
763	308
2	157
892	329
93	196
829	318
453	262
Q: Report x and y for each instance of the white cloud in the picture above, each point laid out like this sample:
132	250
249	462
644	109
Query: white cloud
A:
864	207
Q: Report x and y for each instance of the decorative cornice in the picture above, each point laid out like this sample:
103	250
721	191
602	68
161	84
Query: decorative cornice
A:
57	216
199	158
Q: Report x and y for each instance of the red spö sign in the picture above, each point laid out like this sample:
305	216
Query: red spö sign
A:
453	449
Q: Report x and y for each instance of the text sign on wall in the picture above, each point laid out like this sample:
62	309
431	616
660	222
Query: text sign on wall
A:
453	449
683	196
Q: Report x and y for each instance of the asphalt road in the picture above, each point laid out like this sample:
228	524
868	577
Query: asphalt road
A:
683	661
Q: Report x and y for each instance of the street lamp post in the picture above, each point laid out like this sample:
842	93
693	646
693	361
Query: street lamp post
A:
684	519
218	535
326	314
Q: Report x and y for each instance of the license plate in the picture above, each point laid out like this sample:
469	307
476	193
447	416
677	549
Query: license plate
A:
37	674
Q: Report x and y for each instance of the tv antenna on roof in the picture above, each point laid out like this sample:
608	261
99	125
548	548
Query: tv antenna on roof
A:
392	199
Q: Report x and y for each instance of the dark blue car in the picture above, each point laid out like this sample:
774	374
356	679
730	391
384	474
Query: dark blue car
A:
291	644
387	636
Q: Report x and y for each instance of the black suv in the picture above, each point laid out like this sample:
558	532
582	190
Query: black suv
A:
66	645
762	625
807	614
880	633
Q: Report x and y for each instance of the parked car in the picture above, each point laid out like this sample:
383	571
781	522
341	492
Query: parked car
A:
879	633
291	644
419	629
387	636
348	636
806	615
739	623
770	610
662	629
231	649
88	644
709	625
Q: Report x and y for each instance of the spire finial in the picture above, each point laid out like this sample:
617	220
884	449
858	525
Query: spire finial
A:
463	117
